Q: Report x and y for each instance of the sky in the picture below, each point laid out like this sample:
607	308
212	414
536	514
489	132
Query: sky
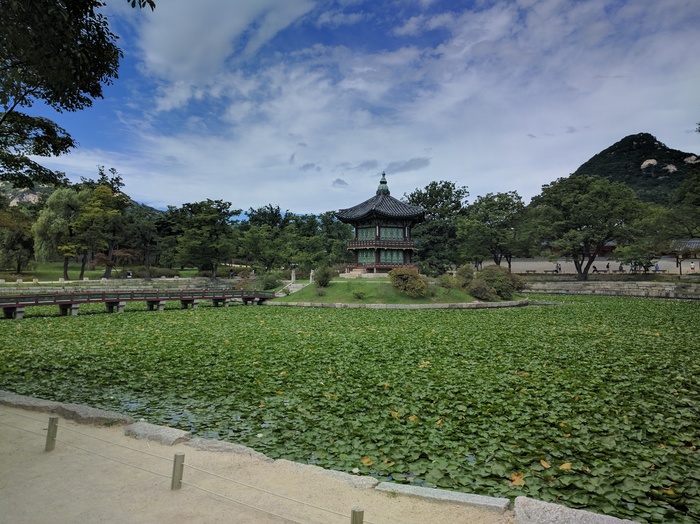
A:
302	104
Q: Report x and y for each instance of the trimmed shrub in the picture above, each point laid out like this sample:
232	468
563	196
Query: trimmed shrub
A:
464	275
500	279
447	282
409	281
358	294
323	276
156	272
481	290
268	280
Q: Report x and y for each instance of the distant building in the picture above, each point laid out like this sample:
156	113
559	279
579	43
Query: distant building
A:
382	231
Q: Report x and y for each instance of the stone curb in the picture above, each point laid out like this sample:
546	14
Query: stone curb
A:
466	305
218	446
531	511
356	481
164	435
479	501
76	412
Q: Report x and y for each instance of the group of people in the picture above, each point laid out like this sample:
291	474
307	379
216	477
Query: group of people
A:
621	269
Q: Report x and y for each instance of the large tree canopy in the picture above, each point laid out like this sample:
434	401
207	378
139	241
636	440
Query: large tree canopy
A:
576	217
436	237
490	227
61	52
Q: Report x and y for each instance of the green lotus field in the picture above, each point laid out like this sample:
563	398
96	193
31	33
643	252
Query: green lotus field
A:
593	403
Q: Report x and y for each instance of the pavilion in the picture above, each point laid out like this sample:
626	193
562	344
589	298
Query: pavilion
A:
382	231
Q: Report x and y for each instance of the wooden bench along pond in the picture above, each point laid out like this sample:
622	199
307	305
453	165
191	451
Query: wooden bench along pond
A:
13	306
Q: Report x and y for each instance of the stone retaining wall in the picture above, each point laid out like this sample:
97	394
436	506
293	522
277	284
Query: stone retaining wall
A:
467	305
625	289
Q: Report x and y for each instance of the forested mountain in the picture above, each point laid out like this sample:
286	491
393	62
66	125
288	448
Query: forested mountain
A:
649	167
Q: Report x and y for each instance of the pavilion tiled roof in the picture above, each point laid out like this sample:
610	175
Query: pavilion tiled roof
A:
381	205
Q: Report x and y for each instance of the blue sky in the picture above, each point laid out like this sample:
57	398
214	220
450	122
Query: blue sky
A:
303	103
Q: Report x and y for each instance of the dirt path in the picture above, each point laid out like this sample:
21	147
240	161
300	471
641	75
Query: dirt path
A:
71	484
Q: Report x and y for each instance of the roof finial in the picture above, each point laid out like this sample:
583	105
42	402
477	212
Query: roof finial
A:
383	186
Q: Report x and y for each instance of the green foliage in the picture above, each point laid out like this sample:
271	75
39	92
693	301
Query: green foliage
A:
268	280
409	281
205	237
436	249
447	282
151	272
359	294
585	404
490	228
16	240
502	281
323	276
482	290
577	216
464	275
441	200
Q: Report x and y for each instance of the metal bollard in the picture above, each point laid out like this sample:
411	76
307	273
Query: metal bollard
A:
178	467
51	434
358	515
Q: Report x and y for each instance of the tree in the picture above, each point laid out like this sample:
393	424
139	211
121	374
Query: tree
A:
54	234
490	227
576	217
435	238
685	208
16	240
61	52
23	137
207	236
142	232
441	200
98	226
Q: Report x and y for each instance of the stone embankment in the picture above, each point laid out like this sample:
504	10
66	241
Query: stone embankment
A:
683	290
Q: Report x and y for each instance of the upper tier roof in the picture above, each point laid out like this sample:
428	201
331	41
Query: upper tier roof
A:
382	205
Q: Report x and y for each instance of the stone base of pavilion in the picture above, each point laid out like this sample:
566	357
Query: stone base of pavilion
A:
369	271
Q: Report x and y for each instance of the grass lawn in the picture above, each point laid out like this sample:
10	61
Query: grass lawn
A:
594	403
52	271
375	291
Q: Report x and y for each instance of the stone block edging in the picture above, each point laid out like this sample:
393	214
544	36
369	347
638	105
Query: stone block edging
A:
464	305
677	290
531	511
479	501
165	435
76	412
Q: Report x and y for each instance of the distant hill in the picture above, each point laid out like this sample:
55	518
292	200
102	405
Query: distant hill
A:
653	170
28	196
32	196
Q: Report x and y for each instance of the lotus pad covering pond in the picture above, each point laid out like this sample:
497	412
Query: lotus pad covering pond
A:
593	404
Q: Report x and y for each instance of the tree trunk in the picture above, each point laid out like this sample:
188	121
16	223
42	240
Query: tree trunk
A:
108	263
82	265
147	261
65	268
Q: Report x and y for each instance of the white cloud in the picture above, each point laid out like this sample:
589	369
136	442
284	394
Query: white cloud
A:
309	127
